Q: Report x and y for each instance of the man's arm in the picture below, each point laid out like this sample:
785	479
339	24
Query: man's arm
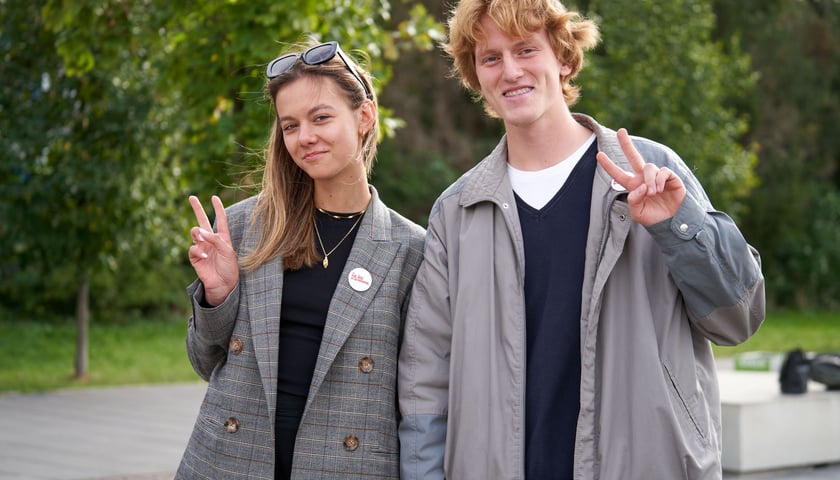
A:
424	367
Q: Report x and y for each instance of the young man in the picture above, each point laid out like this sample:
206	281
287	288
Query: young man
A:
560	324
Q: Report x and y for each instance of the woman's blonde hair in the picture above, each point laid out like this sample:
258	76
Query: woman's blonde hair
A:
570	35
285	207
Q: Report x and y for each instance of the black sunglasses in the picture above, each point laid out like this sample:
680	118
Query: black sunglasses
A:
316	55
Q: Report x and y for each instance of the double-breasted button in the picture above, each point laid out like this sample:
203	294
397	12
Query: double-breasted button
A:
351	442
366	365
235	345
231	425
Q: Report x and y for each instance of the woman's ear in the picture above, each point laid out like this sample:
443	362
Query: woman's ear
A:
368	116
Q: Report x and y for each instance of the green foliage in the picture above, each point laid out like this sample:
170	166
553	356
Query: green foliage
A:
411	179
135	288
112	112
795	212
796	224
83	189
207	62
659	74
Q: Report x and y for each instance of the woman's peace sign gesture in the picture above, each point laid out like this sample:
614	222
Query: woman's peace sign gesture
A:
212	255
655	193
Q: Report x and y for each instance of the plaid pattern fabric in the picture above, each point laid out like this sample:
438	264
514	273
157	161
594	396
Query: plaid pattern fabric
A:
234	347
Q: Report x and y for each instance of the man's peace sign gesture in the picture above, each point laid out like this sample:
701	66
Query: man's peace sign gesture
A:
655	193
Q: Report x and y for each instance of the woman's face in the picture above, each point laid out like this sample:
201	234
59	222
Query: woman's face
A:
321	131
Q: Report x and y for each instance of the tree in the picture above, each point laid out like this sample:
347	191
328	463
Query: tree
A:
81	186
136	104
660	74
210	58
795	212
444	132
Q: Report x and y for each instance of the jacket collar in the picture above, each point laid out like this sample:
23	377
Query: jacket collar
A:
488	181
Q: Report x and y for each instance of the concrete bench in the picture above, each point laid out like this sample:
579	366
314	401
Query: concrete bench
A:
764	429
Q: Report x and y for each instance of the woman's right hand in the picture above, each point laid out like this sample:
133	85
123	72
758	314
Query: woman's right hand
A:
212	255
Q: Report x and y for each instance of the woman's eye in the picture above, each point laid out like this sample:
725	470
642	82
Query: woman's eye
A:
289	127
321	118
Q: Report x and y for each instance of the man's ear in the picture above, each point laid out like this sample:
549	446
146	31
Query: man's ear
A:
565	70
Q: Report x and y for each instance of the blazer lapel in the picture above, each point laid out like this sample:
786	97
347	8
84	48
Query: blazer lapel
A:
264	287
374	252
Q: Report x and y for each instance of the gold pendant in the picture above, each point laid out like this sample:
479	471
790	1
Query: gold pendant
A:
326	262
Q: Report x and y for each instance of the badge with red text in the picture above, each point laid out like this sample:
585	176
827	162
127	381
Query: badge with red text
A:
617	186
359	279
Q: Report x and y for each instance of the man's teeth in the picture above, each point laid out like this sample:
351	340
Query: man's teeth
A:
520	91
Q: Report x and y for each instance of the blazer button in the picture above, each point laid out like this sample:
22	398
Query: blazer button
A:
231	425
366	365
351	443
235	345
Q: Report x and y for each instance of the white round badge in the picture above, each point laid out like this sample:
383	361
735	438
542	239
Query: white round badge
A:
617	186
359	279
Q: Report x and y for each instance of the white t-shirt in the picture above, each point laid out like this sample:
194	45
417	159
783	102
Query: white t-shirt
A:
538	187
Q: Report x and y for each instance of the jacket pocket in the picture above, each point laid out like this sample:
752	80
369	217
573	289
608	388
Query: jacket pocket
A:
685	406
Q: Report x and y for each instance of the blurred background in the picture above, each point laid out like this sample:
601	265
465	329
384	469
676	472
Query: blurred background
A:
112	112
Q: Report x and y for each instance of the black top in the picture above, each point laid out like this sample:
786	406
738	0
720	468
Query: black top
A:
306	300
555	246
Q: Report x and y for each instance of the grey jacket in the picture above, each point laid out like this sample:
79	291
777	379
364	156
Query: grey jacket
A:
349	426
652	300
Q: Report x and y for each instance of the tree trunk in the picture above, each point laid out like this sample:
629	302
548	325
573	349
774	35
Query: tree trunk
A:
82	322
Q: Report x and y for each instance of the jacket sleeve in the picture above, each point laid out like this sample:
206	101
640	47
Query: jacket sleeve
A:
715	269
209	329
424	367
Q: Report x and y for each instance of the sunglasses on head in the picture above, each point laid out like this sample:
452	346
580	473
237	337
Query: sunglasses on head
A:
316	55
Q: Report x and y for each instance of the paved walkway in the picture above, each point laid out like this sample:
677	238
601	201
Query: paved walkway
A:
136	433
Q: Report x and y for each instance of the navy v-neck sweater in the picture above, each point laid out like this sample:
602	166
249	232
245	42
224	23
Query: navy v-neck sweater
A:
555	245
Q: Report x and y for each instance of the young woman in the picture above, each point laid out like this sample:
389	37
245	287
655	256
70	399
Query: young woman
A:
301	294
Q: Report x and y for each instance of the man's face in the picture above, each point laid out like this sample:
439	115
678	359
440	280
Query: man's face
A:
520	78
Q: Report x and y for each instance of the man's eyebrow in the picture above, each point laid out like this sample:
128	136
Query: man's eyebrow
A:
516	45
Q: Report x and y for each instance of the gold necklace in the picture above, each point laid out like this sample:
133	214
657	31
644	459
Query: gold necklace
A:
339	216
327	254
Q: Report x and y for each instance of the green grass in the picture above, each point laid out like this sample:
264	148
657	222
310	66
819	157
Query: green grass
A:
38	356
784	331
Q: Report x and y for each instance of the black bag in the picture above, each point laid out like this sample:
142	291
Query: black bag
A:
795	372
825	368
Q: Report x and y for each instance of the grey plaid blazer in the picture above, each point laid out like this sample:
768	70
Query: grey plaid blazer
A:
349	426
